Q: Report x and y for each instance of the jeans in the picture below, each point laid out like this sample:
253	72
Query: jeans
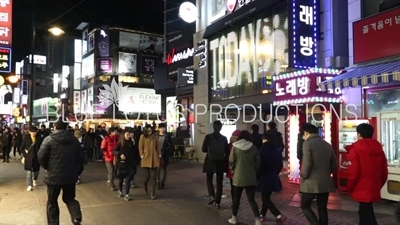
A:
250	192
127	180
210	186
68	197
366	214
31	176
6	153
110	172
162	178
150	175
268	204
322	202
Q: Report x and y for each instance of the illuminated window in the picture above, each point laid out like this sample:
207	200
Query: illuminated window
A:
105	78
128	79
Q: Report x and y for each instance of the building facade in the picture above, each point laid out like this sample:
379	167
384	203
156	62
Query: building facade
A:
247	44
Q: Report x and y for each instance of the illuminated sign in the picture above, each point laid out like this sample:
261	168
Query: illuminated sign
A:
188	12
231	5
174	57
6	23
38	59
185	77
303	86
304	25
201	52
5	60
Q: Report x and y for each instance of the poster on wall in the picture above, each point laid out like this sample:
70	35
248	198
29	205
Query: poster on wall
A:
88	66
85	37
140	100
141	42
90	100
148	64
171	113
84	101
91	42
104	65
127	62
77	102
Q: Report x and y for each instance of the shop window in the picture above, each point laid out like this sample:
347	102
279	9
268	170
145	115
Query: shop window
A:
41	82
128	79
382	101
40	68
217	7
372	7
91	80
105	78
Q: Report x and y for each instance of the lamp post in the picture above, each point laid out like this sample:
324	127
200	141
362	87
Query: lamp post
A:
54	31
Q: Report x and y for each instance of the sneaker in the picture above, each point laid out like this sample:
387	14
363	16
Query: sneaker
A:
258	222
133	185
29	188
211	201
262	218
111	186
127	198
217	206
34	183
77	222
120	194
232	220
281	220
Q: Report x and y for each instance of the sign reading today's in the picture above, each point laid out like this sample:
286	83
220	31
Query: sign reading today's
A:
5	60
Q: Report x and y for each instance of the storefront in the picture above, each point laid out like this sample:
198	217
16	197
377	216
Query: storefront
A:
374	86
304	101
45	111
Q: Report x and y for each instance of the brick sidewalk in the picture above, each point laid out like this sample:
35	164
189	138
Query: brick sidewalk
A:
183	202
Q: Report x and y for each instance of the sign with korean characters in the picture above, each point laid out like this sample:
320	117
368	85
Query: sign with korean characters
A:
304	25
300	87
377	37
6	22
5	60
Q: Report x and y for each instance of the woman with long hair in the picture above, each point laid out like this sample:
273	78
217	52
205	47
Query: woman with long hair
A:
125	163
150	153
244	162
268	176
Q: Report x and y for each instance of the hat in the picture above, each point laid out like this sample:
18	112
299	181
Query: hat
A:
236	133
77	134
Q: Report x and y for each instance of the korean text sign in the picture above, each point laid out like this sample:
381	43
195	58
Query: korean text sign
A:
6	23
304	23
377	37
5	60
301	87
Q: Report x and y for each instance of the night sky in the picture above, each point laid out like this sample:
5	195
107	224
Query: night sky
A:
142	15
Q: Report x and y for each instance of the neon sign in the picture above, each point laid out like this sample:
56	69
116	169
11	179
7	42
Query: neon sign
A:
174	57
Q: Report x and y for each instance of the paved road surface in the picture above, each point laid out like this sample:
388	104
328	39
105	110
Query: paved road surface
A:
183	202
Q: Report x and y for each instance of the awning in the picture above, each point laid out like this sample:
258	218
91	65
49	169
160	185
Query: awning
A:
384	73
242	13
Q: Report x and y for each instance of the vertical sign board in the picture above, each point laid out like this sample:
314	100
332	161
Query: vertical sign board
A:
5	60
6	23
304	25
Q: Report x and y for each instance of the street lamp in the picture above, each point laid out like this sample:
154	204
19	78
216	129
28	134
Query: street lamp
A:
13	79
54	31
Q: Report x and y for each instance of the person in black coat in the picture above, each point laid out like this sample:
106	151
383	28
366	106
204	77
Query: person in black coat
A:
211	167
6	142
256	136
268	176
165	141
61	156
29	148
17	141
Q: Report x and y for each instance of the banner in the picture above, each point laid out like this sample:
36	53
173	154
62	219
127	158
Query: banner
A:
127	63
140	100
104	65
148	64
84	101
6	23
141	42
103	43
77	102
90	99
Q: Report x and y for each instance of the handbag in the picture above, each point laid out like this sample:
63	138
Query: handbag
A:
122	168
26	151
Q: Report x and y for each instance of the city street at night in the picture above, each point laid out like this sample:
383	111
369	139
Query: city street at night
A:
182	202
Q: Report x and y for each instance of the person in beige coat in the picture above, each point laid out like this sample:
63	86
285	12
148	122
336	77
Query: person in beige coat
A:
150	153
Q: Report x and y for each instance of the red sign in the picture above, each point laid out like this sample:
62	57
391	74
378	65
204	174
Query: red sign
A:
6	22
377	37
231	5
303	87
174	57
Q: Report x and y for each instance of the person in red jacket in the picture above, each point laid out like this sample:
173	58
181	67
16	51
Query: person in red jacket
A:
229	174
367	173
107	146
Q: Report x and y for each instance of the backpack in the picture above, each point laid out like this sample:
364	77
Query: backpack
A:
216	148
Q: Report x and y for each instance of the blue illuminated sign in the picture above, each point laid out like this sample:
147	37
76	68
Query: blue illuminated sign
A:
304	21
5	60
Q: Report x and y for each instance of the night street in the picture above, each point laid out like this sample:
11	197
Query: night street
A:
183	202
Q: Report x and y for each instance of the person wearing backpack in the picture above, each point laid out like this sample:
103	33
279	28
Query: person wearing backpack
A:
217	148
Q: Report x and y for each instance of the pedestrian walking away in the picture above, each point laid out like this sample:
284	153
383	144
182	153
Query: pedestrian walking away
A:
61	155
166	145
229	174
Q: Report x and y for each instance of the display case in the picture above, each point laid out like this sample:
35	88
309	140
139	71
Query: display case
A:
347	136
389	136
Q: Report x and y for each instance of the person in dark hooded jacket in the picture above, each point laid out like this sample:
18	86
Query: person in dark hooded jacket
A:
278	139
256	136
61	156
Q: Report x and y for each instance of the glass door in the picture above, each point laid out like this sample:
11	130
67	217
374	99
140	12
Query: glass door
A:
390	136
